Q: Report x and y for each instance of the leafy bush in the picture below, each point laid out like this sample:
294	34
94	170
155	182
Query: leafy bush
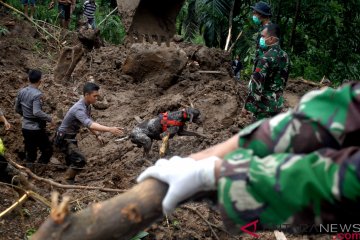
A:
320	37
111	30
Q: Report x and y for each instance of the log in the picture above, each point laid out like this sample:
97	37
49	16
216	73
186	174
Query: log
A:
315	84
211	72
69	58
120	217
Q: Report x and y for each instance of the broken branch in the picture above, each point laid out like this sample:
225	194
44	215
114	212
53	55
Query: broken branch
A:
107	16
15	205
237	39
120	217
213	72
59	185
32	194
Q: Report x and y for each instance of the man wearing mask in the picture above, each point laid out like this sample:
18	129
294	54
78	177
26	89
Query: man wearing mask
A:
270	76
261	17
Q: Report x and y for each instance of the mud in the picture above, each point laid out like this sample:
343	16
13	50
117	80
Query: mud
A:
128	90
153	20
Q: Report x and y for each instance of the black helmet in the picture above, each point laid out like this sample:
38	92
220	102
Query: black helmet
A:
263	8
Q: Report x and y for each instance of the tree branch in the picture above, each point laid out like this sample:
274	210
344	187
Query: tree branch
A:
120	217
59	185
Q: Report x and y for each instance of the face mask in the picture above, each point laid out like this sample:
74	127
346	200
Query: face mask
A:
262	43
256	20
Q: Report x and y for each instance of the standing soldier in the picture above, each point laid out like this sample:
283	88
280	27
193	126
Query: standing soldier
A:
29	106
261	17
79	115
270	76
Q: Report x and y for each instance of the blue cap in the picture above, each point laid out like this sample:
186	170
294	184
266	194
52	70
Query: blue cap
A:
263	8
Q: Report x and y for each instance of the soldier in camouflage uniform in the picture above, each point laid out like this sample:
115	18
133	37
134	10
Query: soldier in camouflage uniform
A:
269	78
294	168
261	17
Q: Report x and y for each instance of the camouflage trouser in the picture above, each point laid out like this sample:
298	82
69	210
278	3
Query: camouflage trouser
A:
264	108
277	188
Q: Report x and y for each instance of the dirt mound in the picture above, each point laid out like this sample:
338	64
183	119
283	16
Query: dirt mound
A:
153	63
152	19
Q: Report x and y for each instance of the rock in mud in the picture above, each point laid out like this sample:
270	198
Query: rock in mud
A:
158	64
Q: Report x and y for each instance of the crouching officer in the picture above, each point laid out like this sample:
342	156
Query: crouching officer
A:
79	115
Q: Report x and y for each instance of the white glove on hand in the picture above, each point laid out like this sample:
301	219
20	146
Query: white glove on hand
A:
185	177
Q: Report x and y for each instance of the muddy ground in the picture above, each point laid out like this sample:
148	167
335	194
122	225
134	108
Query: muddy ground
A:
124	96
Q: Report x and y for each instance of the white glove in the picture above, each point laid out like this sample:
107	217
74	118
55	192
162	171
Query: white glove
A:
185	177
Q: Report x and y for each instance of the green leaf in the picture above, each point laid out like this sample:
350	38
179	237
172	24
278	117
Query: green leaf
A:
140	235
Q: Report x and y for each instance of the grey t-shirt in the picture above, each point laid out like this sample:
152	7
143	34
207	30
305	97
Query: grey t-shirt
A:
28	104
77	116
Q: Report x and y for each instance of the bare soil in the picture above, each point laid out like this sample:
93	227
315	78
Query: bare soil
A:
123	96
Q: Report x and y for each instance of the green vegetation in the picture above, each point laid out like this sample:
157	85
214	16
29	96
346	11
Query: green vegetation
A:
140	235
111	30
321	37
29	233
3	31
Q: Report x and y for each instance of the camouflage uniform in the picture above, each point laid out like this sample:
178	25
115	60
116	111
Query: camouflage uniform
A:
267	83
299	166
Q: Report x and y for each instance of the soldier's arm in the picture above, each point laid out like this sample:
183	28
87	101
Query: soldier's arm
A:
275	188
258	77
323	118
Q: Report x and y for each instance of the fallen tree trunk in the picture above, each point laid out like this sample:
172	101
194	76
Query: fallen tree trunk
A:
120	217
69	58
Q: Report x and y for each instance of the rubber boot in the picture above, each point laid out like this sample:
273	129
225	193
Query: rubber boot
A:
70	176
